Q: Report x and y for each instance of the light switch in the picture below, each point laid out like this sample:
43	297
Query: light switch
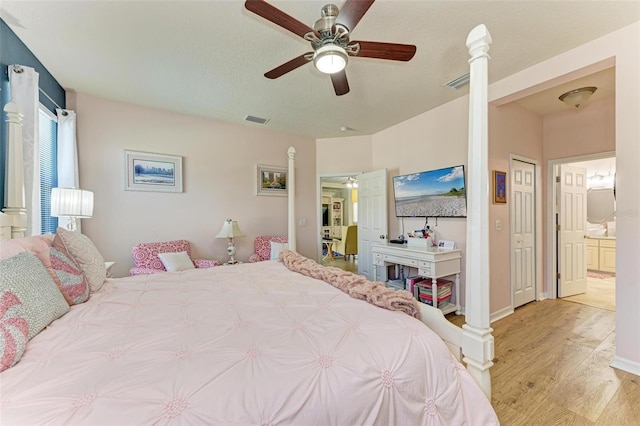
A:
303	222
498	225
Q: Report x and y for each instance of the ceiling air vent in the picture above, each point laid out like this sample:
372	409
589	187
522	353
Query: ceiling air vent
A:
258	120
459	82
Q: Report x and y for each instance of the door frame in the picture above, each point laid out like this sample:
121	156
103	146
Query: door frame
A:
538	224
551	261
319	177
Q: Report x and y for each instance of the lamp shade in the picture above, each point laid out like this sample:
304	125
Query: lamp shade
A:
72	202
230	229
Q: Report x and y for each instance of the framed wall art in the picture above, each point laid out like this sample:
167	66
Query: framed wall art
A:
499	187
146	171
271	180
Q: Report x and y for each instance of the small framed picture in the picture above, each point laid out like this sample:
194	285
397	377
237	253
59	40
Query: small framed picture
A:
271	180
499	187
146	171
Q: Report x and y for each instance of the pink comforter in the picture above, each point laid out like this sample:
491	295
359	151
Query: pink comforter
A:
251	344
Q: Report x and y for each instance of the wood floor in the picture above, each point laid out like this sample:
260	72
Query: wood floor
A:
601	293
551	367
351	264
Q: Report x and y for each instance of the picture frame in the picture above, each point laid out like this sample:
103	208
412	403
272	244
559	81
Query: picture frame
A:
147	171
271	180
499	187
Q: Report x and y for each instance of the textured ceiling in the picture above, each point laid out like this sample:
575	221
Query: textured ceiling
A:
207	58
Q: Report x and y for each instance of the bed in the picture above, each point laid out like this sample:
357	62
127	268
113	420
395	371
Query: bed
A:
261	343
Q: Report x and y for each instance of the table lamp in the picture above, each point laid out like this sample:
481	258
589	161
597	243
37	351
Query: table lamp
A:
230	230
72	203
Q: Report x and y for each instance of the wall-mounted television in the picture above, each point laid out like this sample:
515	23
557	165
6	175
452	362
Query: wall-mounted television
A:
433	193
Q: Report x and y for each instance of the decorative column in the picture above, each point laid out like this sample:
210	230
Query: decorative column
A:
291	188
477	338
14	184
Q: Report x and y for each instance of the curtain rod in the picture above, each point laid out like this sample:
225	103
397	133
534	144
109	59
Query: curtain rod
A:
18	69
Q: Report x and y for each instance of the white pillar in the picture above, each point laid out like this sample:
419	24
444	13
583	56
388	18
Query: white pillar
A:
291	188
477	338
14	181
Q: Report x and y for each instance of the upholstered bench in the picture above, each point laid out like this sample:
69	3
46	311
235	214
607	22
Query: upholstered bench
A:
147	261
263	244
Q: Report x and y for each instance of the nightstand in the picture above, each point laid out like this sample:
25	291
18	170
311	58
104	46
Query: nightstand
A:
109	266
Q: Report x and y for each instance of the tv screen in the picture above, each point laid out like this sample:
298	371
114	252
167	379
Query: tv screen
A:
325	215
434	193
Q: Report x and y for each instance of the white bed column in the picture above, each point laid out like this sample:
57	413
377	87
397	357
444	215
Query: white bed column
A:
14	178
477	338
291	182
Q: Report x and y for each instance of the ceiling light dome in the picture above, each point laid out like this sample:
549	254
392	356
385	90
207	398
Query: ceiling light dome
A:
330	59
578	96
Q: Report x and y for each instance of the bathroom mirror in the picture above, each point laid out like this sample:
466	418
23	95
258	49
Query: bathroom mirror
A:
601	205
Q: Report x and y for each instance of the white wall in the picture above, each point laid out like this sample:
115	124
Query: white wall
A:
219	163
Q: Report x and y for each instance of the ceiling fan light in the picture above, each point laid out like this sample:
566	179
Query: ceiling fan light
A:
330	59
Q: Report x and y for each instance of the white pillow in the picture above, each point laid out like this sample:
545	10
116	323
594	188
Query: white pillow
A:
276	248
176	261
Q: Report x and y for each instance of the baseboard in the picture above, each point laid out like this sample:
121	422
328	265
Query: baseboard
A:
632	367
505	312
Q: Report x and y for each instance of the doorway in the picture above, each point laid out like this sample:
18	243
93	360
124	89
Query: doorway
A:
338	201
598	229
599	234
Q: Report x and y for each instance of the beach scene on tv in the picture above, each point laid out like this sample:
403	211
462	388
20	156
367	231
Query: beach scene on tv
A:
435	193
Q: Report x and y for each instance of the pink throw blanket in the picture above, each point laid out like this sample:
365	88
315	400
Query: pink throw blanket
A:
354	285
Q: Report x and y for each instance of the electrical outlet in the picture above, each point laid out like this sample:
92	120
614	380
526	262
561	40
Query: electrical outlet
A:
498	225
302	222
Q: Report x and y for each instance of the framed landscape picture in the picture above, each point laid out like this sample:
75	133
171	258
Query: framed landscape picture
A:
146	171
499	187
271	180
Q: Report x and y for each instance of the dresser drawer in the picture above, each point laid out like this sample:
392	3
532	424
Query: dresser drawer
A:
607	243
425	272
399	260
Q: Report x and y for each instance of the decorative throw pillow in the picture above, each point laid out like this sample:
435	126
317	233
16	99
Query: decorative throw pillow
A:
85	254
276	248
176	261
14	330
72	281
26	277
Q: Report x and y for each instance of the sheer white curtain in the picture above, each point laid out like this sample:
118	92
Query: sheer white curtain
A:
67	155
23	88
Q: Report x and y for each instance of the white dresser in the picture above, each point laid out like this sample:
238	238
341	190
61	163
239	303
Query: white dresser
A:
430	262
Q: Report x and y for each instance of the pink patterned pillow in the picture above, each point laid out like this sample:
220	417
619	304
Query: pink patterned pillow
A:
72	281
85	254
14	329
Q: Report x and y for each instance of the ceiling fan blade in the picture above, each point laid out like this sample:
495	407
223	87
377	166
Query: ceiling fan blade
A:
390	51
340	83
287	66
352	12
278	17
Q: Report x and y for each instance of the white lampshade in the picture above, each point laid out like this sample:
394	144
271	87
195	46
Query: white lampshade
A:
71	202
230	229
330	59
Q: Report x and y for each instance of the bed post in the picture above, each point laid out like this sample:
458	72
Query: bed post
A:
14	179
291	181
476	335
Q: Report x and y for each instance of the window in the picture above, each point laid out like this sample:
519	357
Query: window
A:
48	127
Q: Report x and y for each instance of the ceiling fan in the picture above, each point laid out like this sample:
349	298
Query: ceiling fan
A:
330	41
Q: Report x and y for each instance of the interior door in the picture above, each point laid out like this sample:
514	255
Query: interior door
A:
372	217
572	217
523	232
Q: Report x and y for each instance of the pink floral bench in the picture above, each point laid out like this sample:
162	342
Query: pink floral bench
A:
145	256
262	247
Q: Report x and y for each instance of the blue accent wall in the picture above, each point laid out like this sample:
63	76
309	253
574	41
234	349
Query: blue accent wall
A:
14	51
